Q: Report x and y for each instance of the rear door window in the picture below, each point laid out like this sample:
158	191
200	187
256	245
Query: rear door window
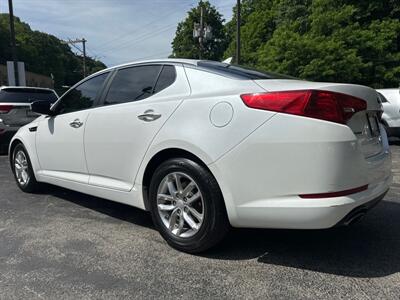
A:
133	84
26	95
167	77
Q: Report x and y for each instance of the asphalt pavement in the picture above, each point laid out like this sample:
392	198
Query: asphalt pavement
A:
65	245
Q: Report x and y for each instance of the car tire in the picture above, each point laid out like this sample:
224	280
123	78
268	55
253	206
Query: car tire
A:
20	162
197	204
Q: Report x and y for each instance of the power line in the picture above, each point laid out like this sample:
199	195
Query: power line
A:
146	57
140	39
83	41
123	35
76	47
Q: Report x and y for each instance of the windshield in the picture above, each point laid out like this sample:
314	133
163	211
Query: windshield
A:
239	72
26	95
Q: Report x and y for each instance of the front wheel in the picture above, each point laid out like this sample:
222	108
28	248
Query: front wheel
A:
22	169
187	205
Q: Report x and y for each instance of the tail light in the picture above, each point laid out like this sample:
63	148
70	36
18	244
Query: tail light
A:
323	105
5	108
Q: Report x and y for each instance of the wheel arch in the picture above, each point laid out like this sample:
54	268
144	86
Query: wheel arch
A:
159	158
12	146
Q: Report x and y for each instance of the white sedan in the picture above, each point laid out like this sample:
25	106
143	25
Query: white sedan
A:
205	145
391	110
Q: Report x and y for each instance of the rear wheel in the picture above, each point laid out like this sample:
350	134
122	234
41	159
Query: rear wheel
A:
187	205
22	169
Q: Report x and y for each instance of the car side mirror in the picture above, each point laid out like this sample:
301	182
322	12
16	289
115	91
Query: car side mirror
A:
42	107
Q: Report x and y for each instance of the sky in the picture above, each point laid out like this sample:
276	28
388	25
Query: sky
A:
117	31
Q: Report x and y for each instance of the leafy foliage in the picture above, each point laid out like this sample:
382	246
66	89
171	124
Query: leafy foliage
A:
185	45
326	40
43	53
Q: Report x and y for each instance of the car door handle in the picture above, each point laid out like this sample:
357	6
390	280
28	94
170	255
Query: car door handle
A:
76	123
149	116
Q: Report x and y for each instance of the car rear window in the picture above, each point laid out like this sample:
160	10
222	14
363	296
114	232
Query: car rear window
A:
26	95
239	72
165	79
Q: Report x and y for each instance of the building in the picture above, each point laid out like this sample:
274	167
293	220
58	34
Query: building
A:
32	79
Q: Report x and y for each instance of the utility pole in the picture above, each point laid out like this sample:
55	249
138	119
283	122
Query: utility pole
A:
238	32
83	51
84	56
13	44
201	31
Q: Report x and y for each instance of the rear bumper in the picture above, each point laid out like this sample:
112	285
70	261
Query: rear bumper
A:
296	213
262	177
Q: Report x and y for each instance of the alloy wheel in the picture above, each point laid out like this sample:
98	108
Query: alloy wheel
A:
180	204
21	167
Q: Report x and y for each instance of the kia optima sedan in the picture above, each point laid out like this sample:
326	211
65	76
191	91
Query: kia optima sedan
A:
205	145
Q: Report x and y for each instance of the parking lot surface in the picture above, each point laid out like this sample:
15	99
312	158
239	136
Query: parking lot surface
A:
66	245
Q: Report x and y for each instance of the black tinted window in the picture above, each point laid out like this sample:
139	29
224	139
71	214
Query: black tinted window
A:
26	95
239	72
167	77
83	96
132	84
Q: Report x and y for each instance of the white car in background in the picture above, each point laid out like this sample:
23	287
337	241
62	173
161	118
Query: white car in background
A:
391	110
205	145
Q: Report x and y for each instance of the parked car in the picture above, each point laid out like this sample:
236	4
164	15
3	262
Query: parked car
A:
15	108
391	110
205	145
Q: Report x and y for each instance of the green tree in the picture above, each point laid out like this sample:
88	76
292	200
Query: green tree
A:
185	45
43	53
326	40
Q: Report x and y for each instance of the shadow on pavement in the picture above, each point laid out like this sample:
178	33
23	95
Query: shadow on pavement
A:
370	248
113	209
394	141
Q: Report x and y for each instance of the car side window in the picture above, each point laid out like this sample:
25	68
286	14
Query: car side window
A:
133	84
166	78
83	96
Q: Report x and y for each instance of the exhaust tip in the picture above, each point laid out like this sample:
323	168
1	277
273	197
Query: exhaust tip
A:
354	218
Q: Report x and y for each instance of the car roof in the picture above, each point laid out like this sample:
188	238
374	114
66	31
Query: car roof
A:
186	61
163	60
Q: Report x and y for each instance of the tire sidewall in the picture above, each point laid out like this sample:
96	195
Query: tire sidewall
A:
28	187
210	197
